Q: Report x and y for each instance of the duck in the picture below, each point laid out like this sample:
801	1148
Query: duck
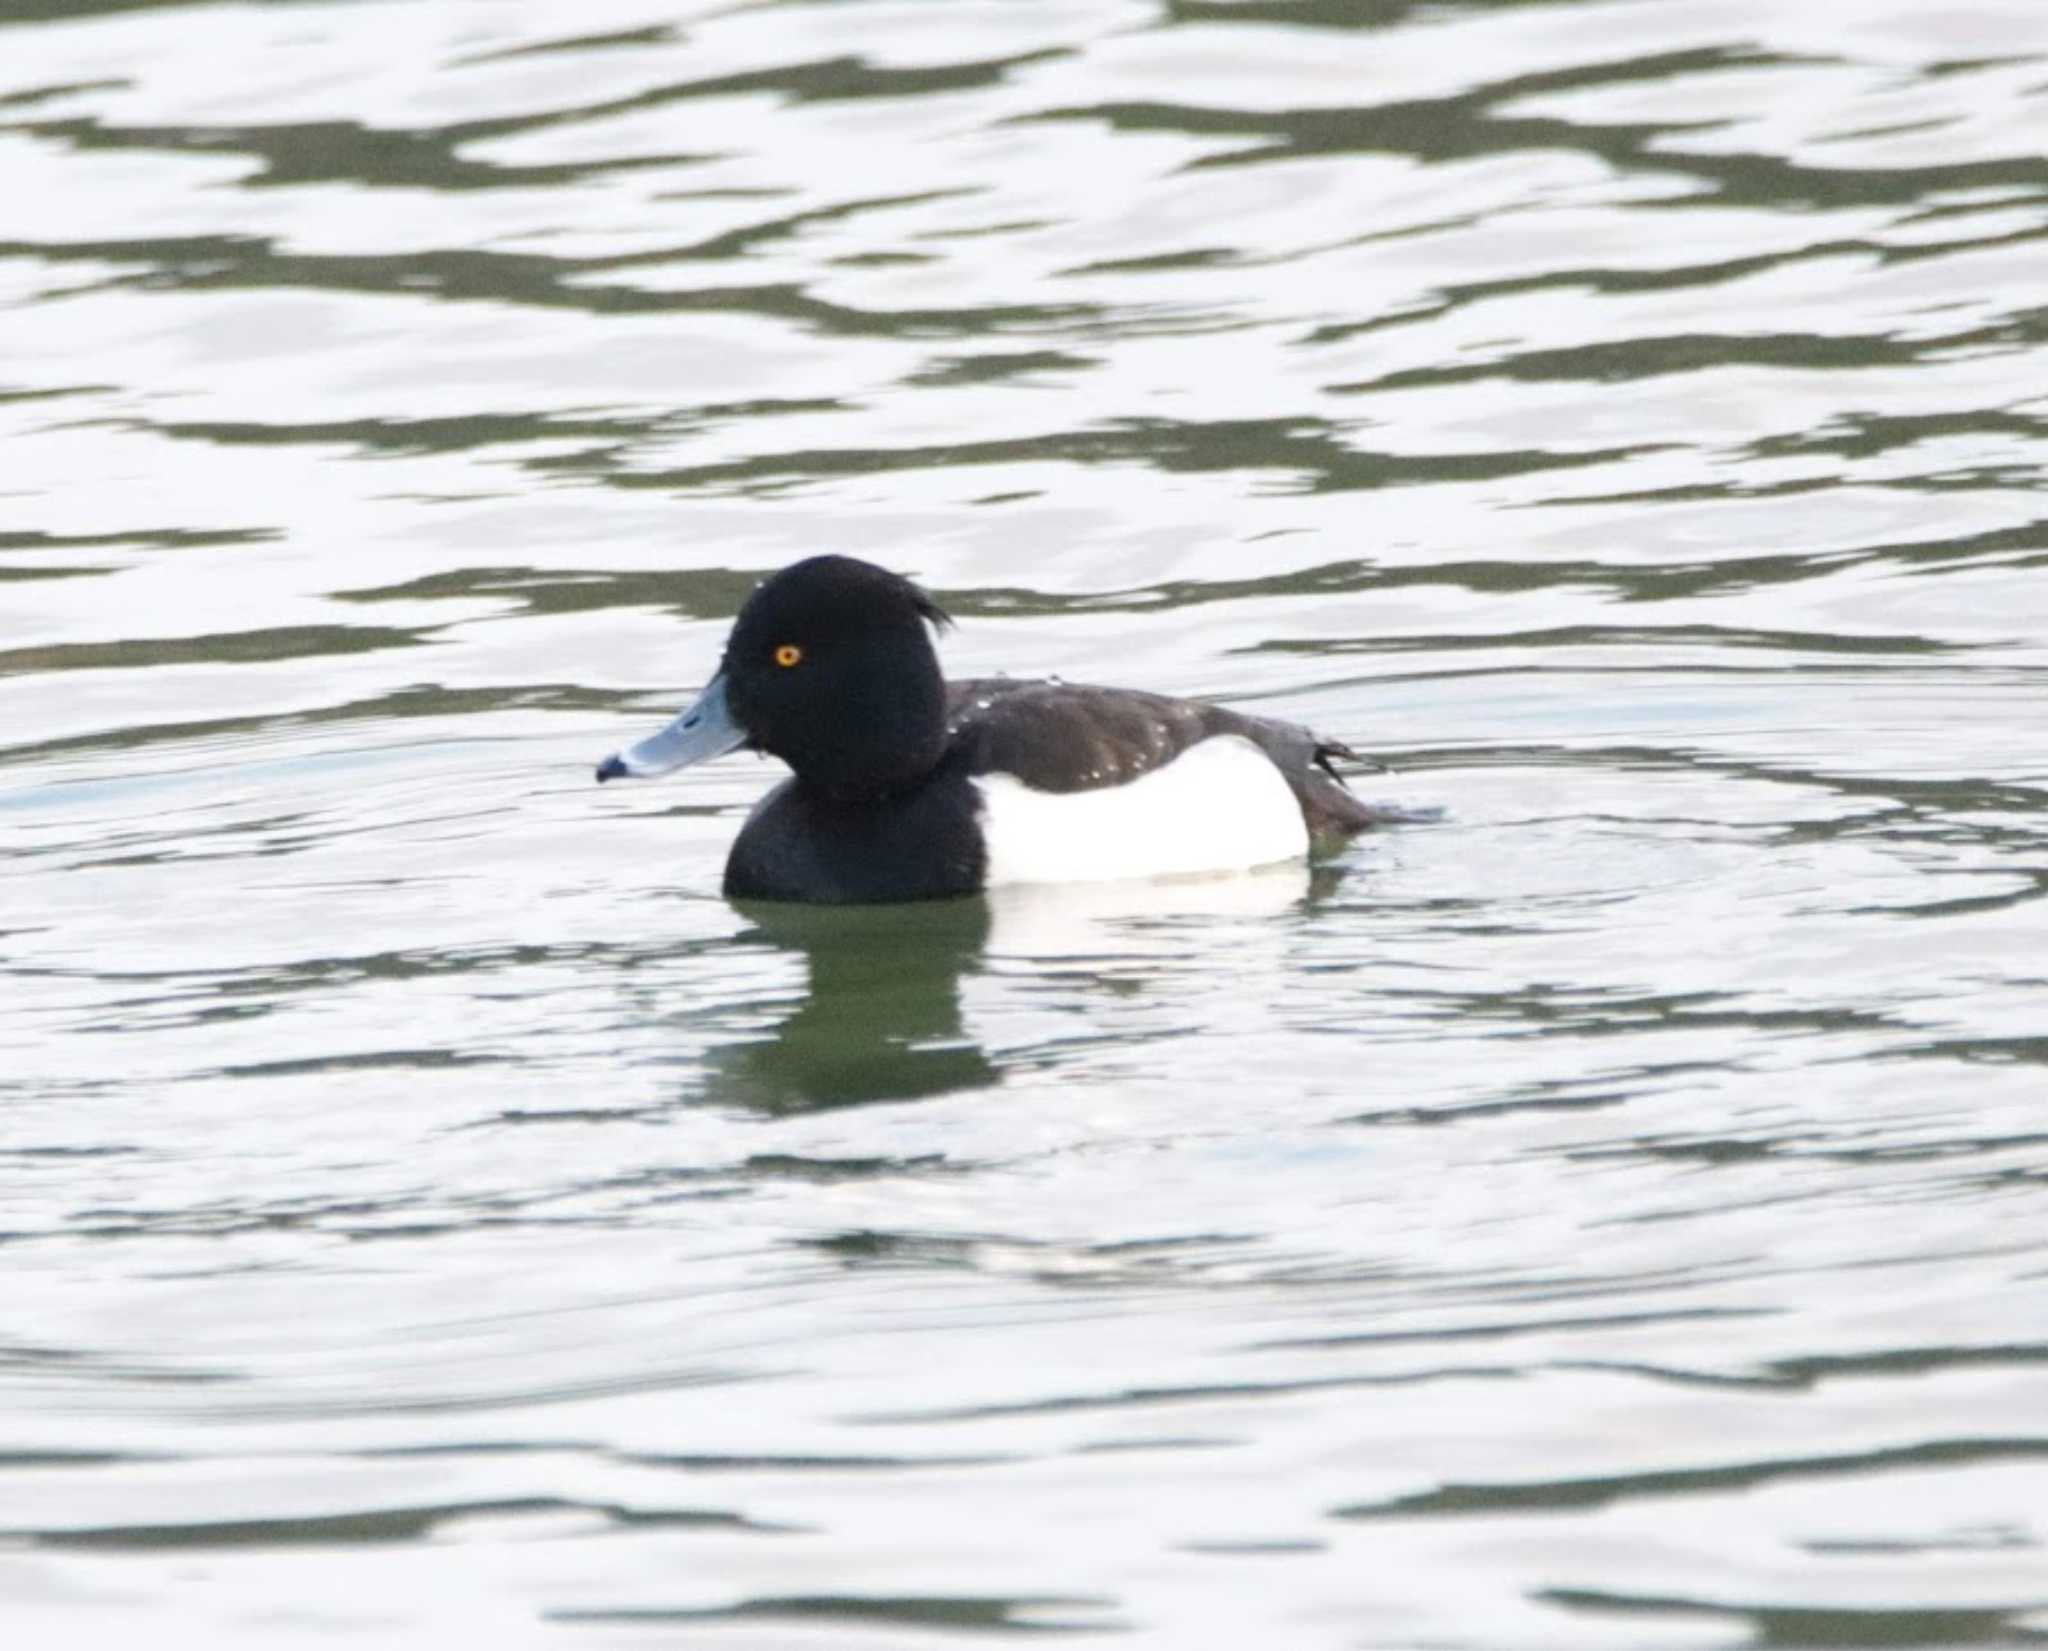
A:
904	786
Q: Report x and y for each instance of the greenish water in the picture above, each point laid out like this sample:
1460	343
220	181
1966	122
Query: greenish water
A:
1615	1214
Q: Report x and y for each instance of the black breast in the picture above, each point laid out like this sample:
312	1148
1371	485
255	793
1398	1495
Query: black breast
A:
801	844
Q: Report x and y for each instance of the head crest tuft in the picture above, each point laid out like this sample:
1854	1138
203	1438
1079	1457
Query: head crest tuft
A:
934	615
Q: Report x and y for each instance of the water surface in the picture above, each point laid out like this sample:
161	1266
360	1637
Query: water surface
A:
1613	1215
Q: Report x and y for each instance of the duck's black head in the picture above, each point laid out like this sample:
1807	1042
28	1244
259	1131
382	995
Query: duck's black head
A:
830	667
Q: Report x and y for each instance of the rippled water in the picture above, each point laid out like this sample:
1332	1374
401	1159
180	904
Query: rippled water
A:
1613	1215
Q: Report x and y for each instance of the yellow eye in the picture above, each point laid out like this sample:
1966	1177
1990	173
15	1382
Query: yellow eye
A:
789	654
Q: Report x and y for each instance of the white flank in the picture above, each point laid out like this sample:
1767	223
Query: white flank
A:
1219	806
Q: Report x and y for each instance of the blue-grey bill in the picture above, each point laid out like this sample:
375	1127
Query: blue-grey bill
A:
704	731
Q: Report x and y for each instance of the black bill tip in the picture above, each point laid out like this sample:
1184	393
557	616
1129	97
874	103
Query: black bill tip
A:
612	768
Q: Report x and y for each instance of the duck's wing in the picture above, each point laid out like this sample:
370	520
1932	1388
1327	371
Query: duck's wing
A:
1069	736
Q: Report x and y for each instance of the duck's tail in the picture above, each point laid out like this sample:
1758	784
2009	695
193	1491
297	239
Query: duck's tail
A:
1329	753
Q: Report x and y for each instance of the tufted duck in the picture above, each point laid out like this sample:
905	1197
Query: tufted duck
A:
907	787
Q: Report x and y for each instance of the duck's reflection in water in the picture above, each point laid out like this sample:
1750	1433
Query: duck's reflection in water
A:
882	1019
